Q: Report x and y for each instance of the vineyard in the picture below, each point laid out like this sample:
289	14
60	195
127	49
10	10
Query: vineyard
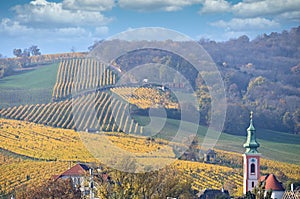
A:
76	75
15	175
145	97
42	143
39	140
55	145
209	176
96	111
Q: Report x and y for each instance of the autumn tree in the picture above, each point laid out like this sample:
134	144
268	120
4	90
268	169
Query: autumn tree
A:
260	191
61	188
163	183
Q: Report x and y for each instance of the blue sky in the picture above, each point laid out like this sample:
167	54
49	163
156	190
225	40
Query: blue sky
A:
59	25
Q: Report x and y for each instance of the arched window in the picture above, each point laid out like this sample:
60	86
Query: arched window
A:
252	184
252	168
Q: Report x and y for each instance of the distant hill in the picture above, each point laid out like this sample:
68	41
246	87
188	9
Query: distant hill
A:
261	75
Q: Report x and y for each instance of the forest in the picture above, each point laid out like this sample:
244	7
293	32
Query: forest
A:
261	75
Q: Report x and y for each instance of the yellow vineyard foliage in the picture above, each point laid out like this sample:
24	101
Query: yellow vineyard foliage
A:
56	145
96	111
14	175
145	97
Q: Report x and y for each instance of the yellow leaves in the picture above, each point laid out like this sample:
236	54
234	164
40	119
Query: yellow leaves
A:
14	175
144	97
42	142
47	143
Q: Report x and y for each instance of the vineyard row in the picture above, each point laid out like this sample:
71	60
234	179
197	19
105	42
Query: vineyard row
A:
75	75
97	111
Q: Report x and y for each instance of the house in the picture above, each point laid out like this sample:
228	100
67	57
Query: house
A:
271	183
208	156
213	193
77	174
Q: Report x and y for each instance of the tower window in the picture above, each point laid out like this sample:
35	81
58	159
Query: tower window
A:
252	184
252	168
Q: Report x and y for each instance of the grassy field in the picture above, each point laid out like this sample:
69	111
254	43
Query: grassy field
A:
28	87
274	145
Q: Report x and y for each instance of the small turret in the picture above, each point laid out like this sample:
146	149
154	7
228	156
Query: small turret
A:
251	144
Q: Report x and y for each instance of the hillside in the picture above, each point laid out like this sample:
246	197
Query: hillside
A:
61	146
259	75
274	145
28	87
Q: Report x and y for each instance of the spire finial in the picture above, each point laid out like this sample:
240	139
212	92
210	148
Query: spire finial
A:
251	115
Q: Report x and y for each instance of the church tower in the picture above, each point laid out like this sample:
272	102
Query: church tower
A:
251	159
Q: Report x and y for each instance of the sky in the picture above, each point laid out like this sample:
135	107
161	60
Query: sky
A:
57	26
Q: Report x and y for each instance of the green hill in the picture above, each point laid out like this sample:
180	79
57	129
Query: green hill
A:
28	86
274	145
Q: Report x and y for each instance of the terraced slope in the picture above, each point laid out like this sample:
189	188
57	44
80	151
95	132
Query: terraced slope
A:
76	75
97	111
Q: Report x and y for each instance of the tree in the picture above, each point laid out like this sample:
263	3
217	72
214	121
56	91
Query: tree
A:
163	183
34	50
61	188
288	121
296	120
260	191
17	52
26	52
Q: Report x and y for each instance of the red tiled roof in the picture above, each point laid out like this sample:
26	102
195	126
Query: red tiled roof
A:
272	182
263	178
55	177
77	170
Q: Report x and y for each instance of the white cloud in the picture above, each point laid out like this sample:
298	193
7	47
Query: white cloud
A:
257	8
156	5
215	6
90	5
41	13
13	28
290	16
248	24
101	30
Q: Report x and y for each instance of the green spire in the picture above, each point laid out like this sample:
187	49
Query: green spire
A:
251	144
